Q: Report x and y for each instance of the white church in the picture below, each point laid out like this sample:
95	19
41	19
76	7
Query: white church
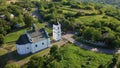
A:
36	39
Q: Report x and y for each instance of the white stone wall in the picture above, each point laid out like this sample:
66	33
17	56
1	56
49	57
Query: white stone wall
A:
23	49
57	32
39	46
34	47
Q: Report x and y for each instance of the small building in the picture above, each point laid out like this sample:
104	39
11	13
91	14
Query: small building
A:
2	16
12	16
57	31
33	41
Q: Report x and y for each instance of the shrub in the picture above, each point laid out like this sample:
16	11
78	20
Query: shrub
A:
1	39
12	66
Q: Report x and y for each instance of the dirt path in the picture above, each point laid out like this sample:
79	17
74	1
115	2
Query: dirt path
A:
100	50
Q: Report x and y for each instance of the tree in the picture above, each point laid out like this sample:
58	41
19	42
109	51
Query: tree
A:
53	50
101	66
97	35
115	61
116	42
118	29
87	33
2	2
79	14
57	0
96	24
55	65
92	34
36	62
28	20
12	66
109	39
1	39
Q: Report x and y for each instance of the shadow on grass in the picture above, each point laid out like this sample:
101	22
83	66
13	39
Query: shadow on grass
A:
11	56
21	28
18	57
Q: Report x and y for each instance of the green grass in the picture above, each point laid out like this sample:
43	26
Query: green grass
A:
12	37
74	57
88	19
69	9
2	52
24	58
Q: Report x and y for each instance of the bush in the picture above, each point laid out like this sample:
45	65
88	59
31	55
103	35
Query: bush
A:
12	66
1	39
79	14
53	50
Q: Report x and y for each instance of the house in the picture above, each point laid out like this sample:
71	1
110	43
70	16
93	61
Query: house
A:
12	16
2	16
33	41
57	31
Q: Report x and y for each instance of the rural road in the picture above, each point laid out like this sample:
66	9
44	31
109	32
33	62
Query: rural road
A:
100	50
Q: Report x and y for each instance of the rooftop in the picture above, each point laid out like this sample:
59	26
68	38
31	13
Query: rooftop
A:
23	39
35	36
38	35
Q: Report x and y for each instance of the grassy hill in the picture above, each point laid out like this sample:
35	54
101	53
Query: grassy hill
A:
74	57
113	2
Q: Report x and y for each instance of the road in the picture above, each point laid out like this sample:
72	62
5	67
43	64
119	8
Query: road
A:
95	49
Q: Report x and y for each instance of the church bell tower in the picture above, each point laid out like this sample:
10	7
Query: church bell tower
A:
57	31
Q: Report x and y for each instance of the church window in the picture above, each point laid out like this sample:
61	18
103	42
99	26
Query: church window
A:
27	47
36	45
42	43
58	27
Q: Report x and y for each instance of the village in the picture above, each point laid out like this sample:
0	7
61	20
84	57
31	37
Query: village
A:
42	26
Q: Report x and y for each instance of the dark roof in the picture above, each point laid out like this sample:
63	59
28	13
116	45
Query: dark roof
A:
57	23
23	39
35	36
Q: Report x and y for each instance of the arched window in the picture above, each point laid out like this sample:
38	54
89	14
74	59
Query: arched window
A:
36	45
42	43
27	47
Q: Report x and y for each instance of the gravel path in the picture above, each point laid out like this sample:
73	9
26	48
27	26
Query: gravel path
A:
100	50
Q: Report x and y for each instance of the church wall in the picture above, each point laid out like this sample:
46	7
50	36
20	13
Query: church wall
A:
39	46
23	49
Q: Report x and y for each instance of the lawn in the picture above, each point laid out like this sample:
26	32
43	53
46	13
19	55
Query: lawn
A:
12	37
69	9
2	52
75	57
88	19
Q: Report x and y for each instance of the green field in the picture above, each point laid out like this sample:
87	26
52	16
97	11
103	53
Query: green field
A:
12	37
75	57
89	19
